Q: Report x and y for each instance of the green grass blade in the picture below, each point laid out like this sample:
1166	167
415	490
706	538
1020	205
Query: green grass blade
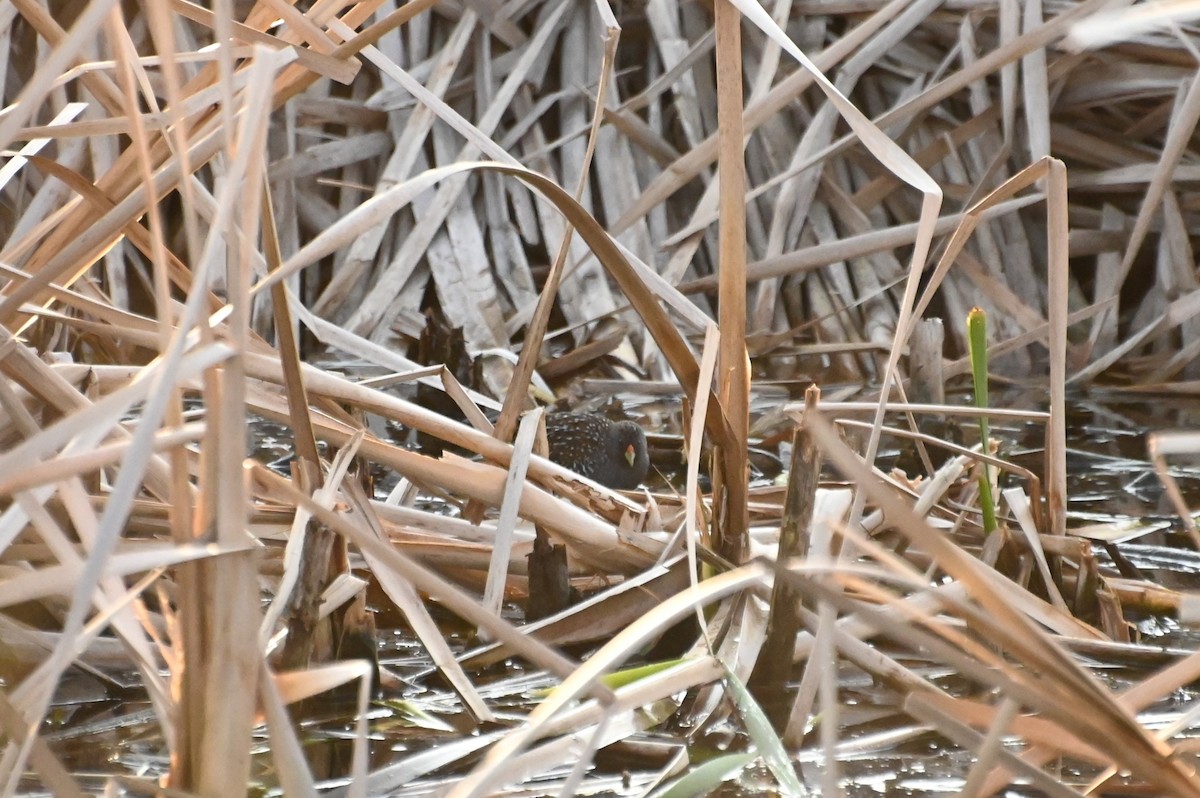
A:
764	737
977	343
703	779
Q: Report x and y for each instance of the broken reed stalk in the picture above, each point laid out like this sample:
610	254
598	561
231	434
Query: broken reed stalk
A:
731	465
220	616
304	604
222	656
774	665
927	382
1057	300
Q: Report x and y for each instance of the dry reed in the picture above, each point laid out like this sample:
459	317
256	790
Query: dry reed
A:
196	201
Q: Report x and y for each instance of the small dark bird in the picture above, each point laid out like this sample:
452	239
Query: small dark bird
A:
610	452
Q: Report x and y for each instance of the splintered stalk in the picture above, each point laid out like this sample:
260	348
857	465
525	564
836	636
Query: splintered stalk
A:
977	344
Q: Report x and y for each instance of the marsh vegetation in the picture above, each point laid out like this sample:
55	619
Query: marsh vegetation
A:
281	287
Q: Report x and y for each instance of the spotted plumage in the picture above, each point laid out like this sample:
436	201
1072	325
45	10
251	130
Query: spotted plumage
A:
610	452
